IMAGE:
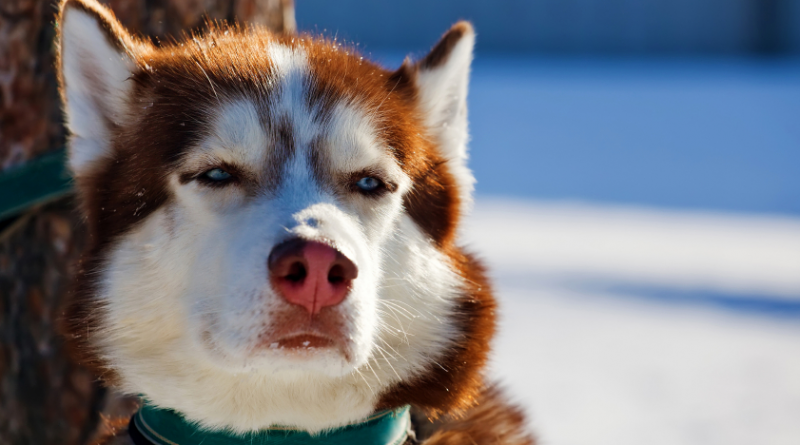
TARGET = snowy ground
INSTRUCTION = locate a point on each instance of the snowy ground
(590, 345)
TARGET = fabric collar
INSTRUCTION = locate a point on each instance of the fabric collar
(155, 426)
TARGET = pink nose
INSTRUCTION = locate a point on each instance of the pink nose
(310, 274)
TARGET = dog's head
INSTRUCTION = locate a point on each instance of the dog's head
(272, 223)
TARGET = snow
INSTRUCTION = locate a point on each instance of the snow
(599, 366)
(593, 370)
(735, 254)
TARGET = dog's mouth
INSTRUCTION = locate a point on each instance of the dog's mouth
(307, 345)
(293, 332)
(303, 341)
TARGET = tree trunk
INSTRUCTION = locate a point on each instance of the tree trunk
(45, 397)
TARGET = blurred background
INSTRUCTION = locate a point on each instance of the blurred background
(638, 202)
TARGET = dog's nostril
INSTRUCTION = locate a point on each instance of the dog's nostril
(297, 272)
(336, 274)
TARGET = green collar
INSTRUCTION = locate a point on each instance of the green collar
(151, 425)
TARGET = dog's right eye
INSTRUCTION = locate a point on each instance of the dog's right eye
(368, 184)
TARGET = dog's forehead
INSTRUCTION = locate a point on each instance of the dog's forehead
(295, 106)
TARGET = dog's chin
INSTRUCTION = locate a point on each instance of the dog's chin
(304, 353)
(307, 348)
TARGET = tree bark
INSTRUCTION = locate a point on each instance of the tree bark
(45, 397)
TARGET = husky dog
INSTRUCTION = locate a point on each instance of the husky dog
(273, 237)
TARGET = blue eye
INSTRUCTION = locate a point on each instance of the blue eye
(217, 175)
(368, 183)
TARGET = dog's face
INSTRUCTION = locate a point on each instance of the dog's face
(272, 224)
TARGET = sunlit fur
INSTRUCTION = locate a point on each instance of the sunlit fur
(174, 299)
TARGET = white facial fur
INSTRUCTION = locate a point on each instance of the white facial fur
(186, 294)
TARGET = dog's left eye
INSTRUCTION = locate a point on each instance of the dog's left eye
(217, 175)
(369, 184)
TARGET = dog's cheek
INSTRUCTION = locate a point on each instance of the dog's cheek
(140, 293)
(182, 239)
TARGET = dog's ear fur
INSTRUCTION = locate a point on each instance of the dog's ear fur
(441, 79)
(95, 61)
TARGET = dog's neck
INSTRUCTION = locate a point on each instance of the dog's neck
(155, 426)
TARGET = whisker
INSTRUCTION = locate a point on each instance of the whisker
(365, 381)
(393, 349)
(375, 373)
(380, 350)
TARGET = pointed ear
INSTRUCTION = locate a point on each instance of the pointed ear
(441, 79)
(94, 64)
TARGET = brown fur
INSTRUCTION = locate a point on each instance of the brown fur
(172, 86)
(491, 422)
(112, 431)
